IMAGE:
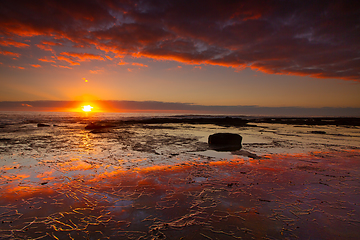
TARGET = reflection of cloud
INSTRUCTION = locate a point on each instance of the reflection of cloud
(47, 175)
(299, 38)
(76, 165)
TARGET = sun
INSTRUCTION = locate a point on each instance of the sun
(87, 108)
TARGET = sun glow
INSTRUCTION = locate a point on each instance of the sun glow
(87, 108)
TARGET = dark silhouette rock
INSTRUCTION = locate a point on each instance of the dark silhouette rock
(318, 132)
(100, 130)
(43, 125)
(225, 141)
(93, 126)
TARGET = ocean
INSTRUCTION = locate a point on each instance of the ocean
(153, 176)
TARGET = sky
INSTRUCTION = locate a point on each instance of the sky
(208, 55)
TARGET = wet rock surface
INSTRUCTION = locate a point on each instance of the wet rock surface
(161, 181)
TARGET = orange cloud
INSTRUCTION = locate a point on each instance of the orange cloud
(175, 68)
(46, 60)
(46, 45)
(139, 64)
(82, 56)
(17, 67)
(68, 60)
(122, 63)
(10, 42)
(96, 71)
(7, 53)
(26, 105)
(35, 65)
(60, 66)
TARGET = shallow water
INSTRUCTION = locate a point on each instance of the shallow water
(156, 181)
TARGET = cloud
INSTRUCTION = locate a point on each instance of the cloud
(47, 45)
(96, 71)
(18, 67)
(75, 58)
(7, 53)
(10, 42)
(306, 38)
(122, 63)
(139, 64)
(69, 60)
(26, 105)
(46, 60)
(36, 65)
(60, 66)
(82, 56)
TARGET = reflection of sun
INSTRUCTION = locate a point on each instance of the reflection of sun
(87, 108)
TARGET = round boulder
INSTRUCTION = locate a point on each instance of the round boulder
(225, 141)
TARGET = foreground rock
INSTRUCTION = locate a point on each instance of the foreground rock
(225, 141)
(93, 126)
(318, 132)
(43, 125)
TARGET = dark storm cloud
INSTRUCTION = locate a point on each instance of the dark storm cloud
(307, 38)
